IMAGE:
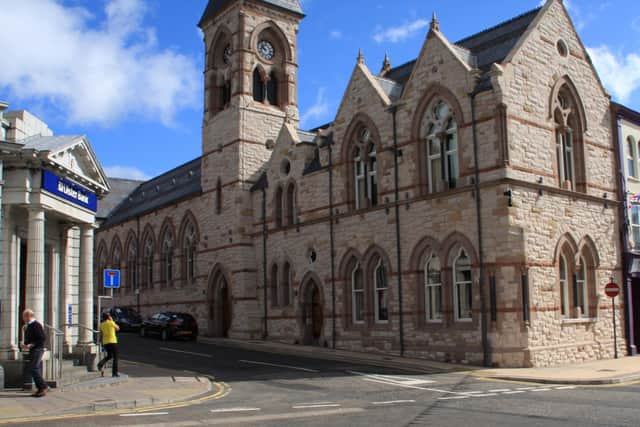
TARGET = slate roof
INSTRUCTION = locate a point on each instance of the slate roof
(391, 88)
(626, 112)
(481, 49)
(120, 189)
(306, 137)
(168, 188)
(48, 143)
(215, 6)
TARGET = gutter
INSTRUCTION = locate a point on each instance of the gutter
(265, 233)
(396, 179)
(486, 355)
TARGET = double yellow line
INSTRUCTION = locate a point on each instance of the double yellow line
(223, 390)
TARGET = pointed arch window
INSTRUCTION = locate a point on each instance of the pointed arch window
(148, 263)
(581, 289)
(275, 288)
(381, 303)
(116, 259)
(357, 294)
(365, 167)
(286, 284)
(258, 86)
(569, 127)
(564, 286)
(291, 204)
(433, 289)
(462, 287)
(441, 140)
(190, 251)
(167, 258)
(278, 200)
(272, 89)
(132, 267)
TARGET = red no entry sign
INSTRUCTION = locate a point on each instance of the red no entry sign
(612, 290)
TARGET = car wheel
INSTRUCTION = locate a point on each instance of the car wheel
(164, 336)
(142, 332)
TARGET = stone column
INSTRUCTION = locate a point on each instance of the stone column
(67, 298)
(86, 285)
(54, 288)
(35, 262)
(9, 323)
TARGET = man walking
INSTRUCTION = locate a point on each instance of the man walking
(34, 340)
(108, 329)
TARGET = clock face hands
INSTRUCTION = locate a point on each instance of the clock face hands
(266, 49)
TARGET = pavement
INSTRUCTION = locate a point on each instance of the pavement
(152, 387)
(612, 371)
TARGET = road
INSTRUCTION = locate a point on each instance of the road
(274, 390)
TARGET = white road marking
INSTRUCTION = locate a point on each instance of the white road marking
(454, 397)
(227, 410)
(484, 395)
(145, 414)
(173, 350)
(500, 390)
(324, 405)
(436, 390)
(393, 402)
(566, 387)
(395, 379)
(472, 392)
(514, 392)
(526, 388)
(295, 368)
(540, 389)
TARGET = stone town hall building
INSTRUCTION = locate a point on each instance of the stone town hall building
(460, 207)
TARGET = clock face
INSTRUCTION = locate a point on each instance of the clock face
(266, 50)
(226, 55)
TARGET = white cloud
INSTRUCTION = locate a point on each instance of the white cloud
(94, 72)
(125, 172)
(619, 73)
(335, 34)
(400, 33)
(318, 111)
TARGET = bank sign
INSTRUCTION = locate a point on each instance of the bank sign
(69, 191)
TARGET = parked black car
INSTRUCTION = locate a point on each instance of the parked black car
(169, 325)
(127, 318)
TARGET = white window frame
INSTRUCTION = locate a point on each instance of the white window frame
(434, 187)
(439, 125)
(564, 286)
(582, 280)
(431, 289)
(190, 254)
(380, 288)
(360, 169)
(167, 256)
(451, 155)
(632, 160)
(372, 175)
(457, 291)
(354, 294)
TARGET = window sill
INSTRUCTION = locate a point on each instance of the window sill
(582, 321)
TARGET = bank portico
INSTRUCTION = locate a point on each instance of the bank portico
(49, 199)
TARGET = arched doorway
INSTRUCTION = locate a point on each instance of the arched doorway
(312, 313)
(220, 306)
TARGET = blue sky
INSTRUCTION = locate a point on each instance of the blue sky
(128, 72)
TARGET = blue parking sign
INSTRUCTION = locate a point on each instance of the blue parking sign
(112, 279)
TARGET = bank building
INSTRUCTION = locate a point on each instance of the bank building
(462, 207)
(49, 190)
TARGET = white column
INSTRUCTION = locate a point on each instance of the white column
(86, 284)
(35, 262)
(8, 291)
(67, 297)
(54, 287)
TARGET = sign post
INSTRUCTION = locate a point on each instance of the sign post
(612, 290)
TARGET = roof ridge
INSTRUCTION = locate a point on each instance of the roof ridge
(157, 177)
(501, 24)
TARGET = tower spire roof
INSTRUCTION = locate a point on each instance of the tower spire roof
(215, 6)
(435, 24)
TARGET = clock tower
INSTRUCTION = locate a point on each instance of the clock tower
(250, 93)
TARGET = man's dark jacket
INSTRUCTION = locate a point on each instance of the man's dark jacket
(34, 335)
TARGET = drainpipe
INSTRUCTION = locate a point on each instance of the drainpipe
(483, 304)
(332, 244)
(396, 183)
(627, 254)
(265, 231)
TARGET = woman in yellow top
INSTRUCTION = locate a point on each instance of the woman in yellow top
(108, 329)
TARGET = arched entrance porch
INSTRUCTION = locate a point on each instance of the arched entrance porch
(311, 311)
(220, 304)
